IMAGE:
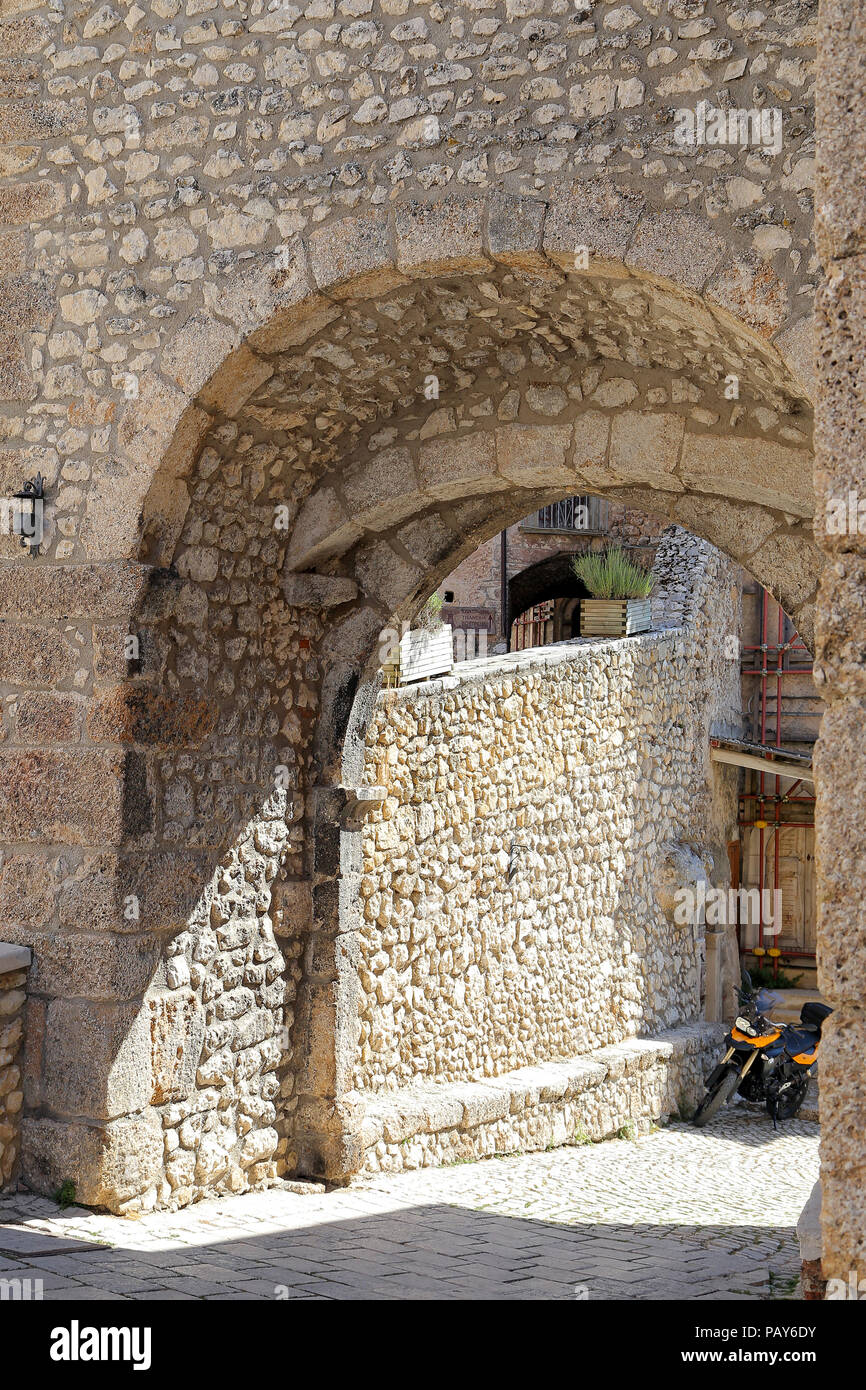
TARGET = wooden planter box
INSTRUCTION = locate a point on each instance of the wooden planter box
(614, 617)
(421, 656)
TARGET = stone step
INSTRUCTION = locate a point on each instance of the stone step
(788, 1003)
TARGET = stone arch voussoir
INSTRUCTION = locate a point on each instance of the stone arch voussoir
(220, 356)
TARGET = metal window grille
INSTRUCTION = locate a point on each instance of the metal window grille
(573, 516)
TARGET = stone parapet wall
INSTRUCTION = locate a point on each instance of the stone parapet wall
(14, 962)
(541, 809)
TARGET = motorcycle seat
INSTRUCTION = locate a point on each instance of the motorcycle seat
(813, 1014)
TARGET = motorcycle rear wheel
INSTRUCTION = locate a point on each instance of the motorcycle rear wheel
(788, 1104)
(715, 1099)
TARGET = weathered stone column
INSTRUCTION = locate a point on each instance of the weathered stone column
(14, 964)
(840, 473)
(326, 1127)
(328, 1117)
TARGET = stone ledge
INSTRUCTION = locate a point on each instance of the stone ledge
(533, 660)
(318, 591)
(809, 1232)
(638, 1080)
(14, 958)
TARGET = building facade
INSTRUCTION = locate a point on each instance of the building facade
(301, 305)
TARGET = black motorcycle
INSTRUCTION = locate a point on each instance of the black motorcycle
(764, 1061)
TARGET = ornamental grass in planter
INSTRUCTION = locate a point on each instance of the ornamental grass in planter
(620, 603)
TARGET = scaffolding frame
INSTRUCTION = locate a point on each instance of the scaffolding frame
(757, 663)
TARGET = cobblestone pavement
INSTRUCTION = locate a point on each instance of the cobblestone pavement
(679, 1213)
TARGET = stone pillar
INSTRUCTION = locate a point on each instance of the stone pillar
(81, 883)
(14, 964)
(329, 1114)
(840, 472)
(812, 1281)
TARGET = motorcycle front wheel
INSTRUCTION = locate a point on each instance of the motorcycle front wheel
(716, 1098)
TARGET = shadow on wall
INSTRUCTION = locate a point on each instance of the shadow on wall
(159, 1048)
(553, 577)
(211, 1043)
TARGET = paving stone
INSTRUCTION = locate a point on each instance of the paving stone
(653, 1219)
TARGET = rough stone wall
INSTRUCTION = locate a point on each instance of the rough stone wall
(159, 1000)
(236, 796)
(512, 878)
(840, 667)
(153, 150)
(13, 979)
(211, 312)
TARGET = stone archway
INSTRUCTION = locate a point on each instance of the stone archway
(548, 578)
(311, 491)
(670, 266)
(615, 116)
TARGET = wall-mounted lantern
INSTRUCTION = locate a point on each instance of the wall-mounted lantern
(27, 516)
